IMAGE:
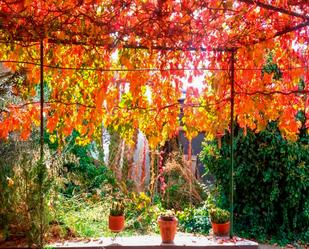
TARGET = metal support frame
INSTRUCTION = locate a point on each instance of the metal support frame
(41, 101)
(232, 80)
(41, 163)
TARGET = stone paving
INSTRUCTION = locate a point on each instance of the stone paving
(154, 241)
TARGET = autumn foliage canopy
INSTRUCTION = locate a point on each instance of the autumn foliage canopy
(125, 63)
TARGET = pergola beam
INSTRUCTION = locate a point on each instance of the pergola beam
(163, 48)
(275, 8)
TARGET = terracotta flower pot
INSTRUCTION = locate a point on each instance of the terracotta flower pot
(221, 229)
(116, 223)
(168, 229)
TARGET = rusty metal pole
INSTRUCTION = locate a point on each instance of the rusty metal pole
(232, 79)
(41, 102)
(41, 164)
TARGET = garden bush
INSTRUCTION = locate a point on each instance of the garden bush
(87, 173)
(23, 213)
(271, 183)
(194, 220)
(141, 214)
(182, 188)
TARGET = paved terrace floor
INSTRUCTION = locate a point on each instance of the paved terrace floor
(154, 242)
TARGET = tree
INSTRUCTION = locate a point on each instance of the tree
(123, 64)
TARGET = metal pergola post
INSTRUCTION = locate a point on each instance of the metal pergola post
(41, 164)
(232, 80)
(41, 101)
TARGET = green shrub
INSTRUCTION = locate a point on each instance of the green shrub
(141, 214)
(23, 211)
(182, 187)
(271, 183)
(194, 220)
(85, 174)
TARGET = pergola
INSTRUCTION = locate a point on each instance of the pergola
(158, 43)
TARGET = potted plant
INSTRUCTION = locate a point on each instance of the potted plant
(220, 221)
(116, 217)
(168, 226)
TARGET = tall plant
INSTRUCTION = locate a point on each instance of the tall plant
(272, 182)
(23, 178)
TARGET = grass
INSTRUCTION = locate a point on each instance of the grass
(83, 217)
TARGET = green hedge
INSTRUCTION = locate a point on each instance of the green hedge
(271, 183)
(194, 220)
